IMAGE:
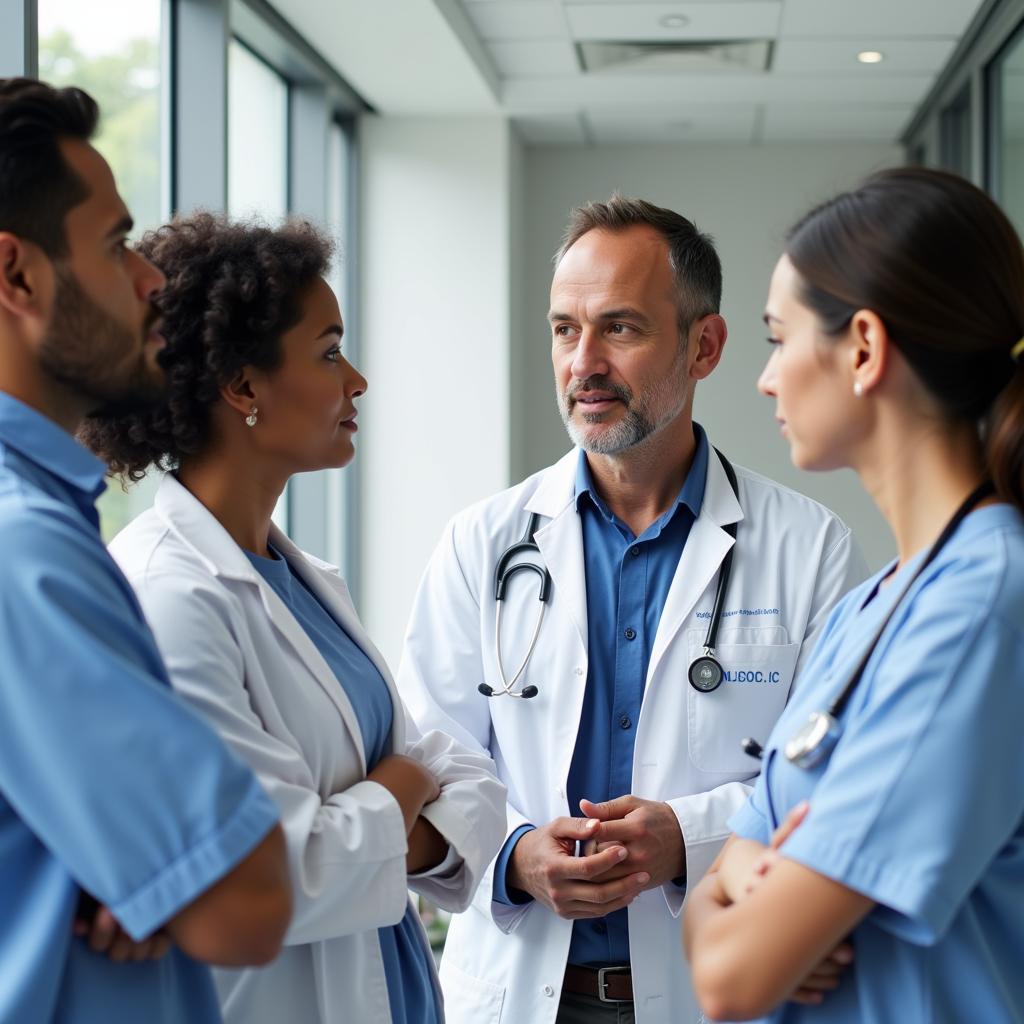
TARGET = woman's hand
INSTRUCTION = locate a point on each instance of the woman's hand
(409, 782)
(427, 848)
(105, 935)
(825, 976)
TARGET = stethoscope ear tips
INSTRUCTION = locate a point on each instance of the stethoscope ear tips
(486, 690)
(529, 691)
(752, 748)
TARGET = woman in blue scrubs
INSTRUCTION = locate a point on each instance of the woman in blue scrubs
(896, 318)
(263, 639)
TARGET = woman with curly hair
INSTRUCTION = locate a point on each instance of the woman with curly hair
(263, 640)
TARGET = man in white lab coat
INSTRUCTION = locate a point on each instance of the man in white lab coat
(622, 758)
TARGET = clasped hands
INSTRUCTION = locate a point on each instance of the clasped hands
(743, 868)
(629, 845)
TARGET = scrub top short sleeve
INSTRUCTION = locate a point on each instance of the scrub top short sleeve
(931, 754)
(93, 742)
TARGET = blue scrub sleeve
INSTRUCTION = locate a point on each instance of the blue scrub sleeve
(750, 821)
(502, 894)
(134, 795)
(926, 786)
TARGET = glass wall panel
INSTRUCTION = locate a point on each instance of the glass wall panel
(1008, 74)
(257, 152)
(257, 137)
(112, 50)
(956, 134)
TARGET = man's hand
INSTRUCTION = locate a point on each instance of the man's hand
(543, 864)
(105, 935)
(649, 830)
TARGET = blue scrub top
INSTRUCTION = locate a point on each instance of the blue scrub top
(410, 980)
(921, 805)
(108, 783)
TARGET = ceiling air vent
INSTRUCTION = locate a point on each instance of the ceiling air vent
(708, 57)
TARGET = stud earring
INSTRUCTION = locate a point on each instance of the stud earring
(858, 388)
(250, 420)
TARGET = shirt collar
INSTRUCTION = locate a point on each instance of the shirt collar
(691, 494)
(40, 440)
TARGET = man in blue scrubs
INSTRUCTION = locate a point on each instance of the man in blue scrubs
(111, 792)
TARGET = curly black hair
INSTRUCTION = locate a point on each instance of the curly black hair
(233, 288)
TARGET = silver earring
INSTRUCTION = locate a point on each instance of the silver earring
(858, 388)
(250, 420)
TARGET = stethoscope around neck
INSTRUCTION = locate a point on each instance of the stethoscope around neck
(705, 673)
(815, 740)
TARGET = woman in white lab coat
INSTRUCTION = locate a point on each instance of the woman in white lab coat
(263, 640)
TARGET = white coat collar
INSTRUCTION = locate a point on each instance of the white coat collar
(197, 528)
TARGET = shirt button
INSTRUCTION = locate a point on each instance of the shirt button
(548, 990)
(579, 670)
(635, 550)
(629, 633)
(601, 928)
(624, 722)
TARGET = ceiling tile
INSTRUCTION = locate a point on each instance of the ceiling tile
(832, 56)
(881, 17)
(551, 131)
(850, 121)
(528, 19)
(724, 19)
(727, 122)
(534, 57)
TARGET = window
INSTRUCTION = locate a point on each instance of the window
(112, 50)
(956, 134)
(257, 154)
(1007, 81)
(257, 137)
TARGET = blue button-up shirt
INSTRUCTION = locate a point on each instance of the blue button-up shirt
(628, 579)
(108, 784)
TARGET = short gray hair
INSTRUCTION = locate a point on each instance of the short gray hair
(691, 254)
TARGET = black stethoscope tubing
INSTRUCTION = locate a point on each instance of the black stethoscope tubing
(817, 738)
(706, 670)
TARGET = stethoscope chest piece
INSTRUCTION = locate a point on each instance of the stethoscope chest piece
(706, 673)
(814, 741)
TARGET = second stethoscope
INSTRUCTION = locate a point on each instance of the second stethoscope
(820, 733)
(705, 673)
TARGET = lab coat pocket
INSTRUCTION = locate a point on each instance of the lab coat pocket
(468, 998)
(758, 678)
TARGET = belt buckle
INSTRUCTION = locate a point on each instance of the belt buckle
(602, 983)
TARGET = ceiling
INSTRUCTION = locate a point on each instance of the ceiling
(523, 58)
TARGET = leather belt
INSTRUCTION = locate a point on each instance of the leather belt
(609, 984)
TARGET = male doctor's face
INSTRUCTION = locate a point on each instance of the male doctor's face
(621, 368)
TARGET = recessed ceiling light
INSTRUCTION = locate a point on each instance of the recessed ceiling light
(870, 57)
(673, 21)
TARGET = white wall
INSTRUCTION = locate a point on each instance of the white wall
(746, 197)
(436, 208)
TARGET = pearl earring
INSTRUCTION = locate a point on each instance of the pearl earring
(858, 388)
(250, 420)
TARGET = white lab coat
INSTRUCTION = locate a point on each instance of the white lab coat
(239, 656)
(794, 559)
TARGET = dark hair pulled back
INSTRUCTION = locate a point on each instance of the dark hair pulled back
(937, 260)
(232, 290)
